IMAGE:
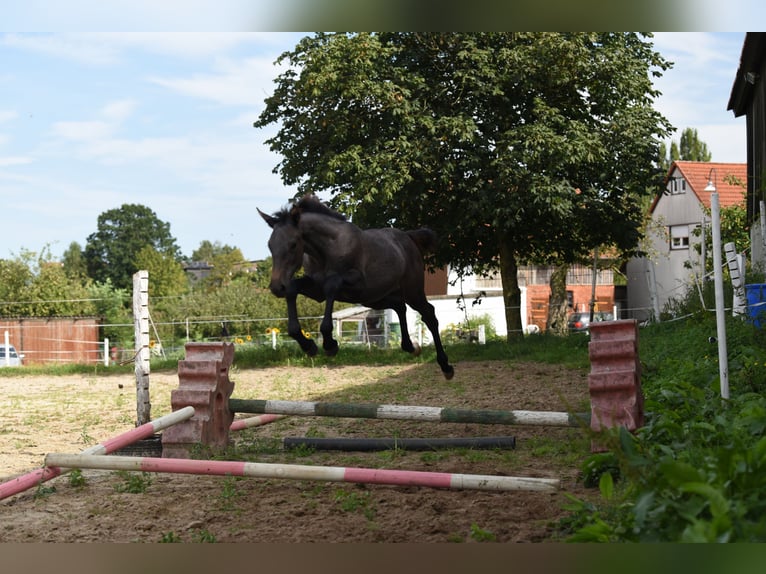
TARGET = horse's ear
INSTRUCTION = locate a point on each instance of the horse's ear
(269, 219)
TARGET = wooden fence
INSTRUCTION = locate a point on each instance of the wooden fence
(54, 340)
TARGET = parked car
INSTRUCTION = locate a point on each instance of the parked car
(13, 358)
(579, 322)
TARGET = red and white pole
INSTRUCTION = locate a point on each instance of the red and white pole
(26, 481)
(304, 472)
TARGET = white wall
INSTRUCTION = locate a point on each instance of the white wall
(448, 312)
(671, 271)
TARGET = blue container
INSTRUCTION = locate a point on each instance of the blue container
(756, 302)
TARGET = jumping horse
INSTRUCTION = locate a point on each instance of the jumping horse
(377, 268)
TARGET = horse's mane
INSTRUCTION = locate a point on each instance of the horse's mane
(307, 204)
(311, 204)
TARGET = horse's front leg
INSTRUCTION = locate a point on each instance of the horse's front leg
(329, 344)
(293, 324)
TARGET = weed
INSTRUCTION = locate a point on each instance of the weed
(133, 482)
(480, 535)
(170, 538)
(355, 502)
(85, 438)
(76, 478)
(229, 493)
(43, 491)
(203, 536)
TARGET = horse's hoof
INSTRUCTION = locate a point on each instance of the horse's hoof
(416, 350)
(331, 350)
(449, 374)
(310, 348)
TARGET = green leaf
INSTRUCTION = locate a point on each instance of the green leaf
(606, 486)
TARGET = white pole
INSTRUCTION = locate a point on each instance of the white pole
(723, 362)
(106, 351)
(273, 338)
(7, 351)
(739, 301)
(141, 332)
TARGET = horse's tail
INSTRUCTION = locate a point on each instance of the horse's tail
(424, 238)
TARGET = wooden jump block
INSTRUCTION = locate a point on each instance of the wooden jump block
(615, 377)
(204, 384)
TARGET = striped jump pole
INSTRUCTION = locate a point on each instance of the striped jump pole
(26, 481)
(304, 472)
(412, 413)
(250, 422)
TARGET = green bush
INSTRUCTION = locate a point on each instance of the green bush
(696, 472)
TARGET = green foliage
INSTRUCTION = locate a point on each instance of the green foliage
(356, 501)
(170, 538)
(33, 284)
(168, 277)
(110, 252)
(696, 472)
(203, 536)
(133, 482)
(226, 262)
(76, 478)
(691, 148)
(481, 535)
(512, 146)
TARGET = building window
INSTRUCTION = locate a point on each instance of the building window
(679, 237)
(677, 185)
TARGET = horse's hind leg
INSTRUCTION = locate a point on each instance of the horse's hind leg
(428, 314)
(407, 344)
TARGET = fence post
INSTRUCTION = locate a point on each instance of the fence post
(141, 332)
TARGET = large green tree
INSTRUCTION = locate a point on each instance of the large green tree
(689, 148)
(33, 284)
(226, 262)
(111, 252)
(514, 147)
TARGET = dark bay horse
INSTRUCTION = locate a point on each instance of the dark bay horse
(377, 268)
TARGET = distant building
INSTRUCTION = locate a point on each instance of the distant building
(672, 254)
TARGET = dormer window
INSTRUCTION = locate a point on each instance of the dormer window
(677, 185)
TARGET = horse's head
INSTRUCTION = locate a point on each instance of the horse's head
(286, 246)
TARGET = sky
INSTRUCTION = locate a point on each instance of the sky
(92, 121)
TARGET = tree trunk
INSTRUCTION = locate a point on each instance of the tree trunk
(509, 274)
(557, 307)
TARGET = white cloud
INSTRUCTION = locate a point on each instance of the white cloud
(113, 113)
(7, 115)
(234, 82)
(85, 49)
(9, 161)
(108, 48)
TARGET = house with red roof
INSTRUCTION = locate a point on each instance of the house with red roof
(678, 221)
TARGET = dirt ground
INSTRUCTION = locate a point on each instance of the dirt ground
(69, 413)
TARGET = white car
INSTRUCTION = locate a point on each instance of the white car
(9, 357)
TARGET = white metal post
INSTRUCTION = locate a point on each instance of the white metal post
(723, 361)
(106, 351)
